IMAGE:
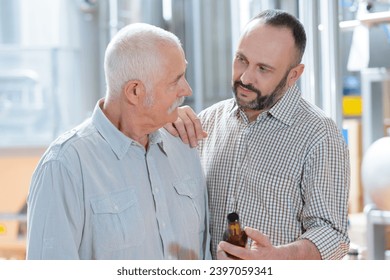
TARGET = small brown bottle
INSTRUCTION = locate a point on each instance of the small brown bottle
(234, 234)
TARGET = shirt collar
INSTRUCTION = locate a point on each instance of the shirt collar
(118, 142)
(284, 109)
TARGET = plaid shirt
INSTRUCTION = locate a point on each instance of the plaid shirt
(286, 173)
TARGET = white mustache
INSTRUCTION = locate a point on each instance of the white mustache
(177, 103)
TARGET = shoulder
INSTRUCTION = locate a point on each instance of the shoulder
(314, 117)
(66, 144)
(320, 127)
(224, 105)
(183, 159)
(178, 151)
(218, 110)
(172, 142)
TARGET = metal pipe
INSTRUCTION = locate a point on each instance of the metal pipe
(331, 71)
(310, 80)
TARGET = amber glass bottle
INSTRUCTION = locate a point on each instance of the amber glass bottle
(234, 234)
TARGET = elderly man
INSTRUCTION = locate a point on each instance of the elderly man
(272, 156)
(116, 186)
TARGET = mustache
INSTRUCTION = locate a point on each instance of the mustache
(248, 86)
(177, 103)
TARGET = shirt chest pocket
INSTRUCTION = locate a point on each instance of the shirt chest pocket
(192, 202)
(117, 221)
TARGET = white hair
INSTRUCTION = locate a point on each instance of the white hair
(134, 54)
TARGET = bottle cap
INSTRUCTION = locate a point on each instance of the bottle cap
(232, 217)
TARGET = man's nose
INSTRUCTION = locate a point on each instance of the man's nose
(187, 91)
(247, 77)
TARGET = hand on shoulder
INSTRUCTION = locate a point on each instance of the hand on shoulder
(187, 126)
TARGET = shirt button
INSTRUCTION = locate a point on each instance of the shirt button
(156, 190)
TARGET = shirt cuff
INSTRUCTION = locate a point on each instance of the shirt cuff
(331, 244)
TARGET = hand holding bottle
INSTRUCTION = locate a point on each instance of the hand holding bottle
(261, 248)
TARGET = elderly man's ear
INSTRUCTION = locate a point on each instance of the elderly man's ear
(134, 91)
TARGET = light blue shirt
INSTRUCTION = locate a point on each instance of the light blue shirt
(97, 194)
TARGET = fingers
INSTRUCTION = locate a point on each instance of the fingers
(260, 249)
(189, 122)
(199, 132)
(189, 126)
(258, 238)
(227, 251)
(181, 130)
(221, 255)
(171, 129)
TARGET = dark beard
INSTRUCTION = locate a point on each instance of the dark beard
(261, 102)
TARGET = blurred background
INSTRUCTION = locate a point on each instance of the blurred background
(51, 75)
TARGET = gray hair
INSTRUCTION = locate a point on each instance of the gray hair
(134, 54)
